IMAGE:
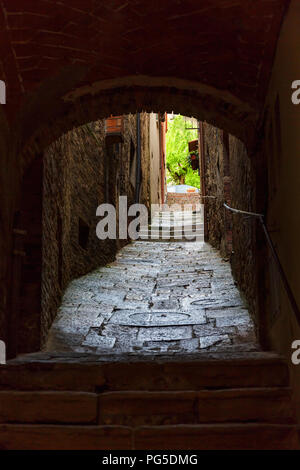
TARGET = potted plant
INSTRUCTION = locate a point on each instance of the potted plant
(193, 159)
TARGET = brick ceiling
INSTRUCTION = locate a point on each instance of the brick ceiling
(228, 44)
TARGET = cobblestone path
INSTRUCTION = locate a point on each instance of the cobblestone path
(156, 298)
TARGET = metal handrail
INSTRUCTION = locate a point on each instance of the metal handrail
(284, 279)
(238, 211)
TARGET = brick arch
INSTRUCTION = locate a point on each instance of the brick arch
(212, 60)
(225, 44)
(79, 60)
(131, 95)
(46, 116)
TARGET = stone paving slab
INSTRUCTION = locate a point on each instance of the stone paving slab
(165, 333)
(162, 298)
(153, 318)
(103, 342)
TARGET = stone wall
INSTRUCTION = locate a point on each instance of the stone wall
(229, 178)
(155, 159)
(179, 199)
(243, 228)
(74, 185)
(80, 173)
(216, 185)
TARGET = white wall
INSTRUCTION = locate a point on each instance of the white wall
(155, 164)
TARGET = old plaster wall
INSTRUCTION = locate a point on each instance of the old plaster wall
(155, 161)
(145, 189)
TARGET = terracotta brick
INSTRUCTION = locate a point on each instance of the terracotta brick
(51, 437)
(211, 437)
(256, 404)
(51, 377)
(136, 408)
(139, 408)
(208, 27)
(48, 407)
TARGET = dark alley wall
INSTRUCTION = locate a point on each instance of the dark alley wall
(81, 172)
(74, 185)
(218, 183)
(267, 181)
(9, 188)
(281, 152)
(214, 184)
(242, 183)
(229, 178)
(46, 97)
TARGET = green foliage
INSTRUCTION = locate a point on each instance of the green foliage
(179, 170)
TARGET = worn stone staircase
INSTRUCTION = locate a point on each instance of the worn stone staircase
(174, 226)
(80, 402)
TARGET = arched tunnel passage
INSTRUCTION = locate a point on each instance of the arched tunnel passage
(46, 101)
(157, 297)
(76, 63)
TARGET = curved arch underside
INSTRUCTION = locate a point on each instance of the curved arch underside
(74, 60)
(61, 115)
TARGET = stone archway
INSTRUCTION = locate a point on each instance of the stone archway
(57, 81)
(85, 106)
(39, 127)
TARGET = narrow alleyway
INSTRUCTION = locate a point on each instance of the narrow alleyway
(157, 298)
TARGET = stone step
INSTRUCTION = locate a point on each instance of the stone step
(177, 214)
(76, 401)
(248, 436)
(77, 372)
(187, 238)
(187, 223)
(64, 437)
(131, 408)
(178, 226)
(134, 408)
(48, 407)
(168, 229)
(198, 239)
(180, 216)
(170, 234)
(192, 238)
(233, 436)
(172, 231)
